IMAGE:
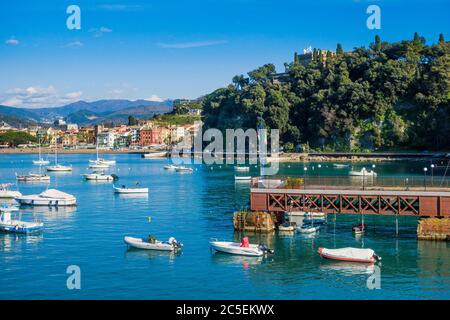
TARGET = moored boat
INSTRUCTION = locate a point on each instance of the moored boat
(252, 250)
(308, 229)
(242, 169)
(363, 173)
(6, 192)
(59, 168)
(183, 169)
(7, 224)
(170, 167)
(98, 165)
(340, 165)
(242, 178)
(98, 176)
(33, 177)
(287, 226)
(124, 189)
(306, 214)
(152, 244)
(157, 154)
(349, 254)
(359, 228)
(50, 197)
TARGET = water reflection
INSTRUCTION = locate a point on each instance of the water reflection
(11, 242)
(230, 259)
(151, 254)
(348, 268)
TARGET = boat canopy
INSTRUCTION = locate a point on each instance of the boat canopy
(356, 253)
(53, 193)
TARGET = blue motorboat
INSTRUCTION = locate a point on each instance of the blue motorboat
(7, 224)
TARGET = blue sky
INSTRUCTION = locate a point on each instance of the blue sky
(170, 49)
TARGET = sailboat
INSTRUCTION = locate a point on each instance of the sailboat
(58, 167)
(100, 163)
(40, 161)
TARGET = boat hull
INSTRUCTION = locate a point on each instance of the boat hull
(130, 190)
(350, 255)
(141, 244)
(22, 228)
(37, 201)
(236, 249)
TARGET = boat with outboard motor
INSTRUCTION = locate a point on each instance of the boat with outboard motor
(124, 189)
(99, 176)
(10, 225)
(152, 244)
(184, 169)
(50, 197)
(243, 249)
(349, 254)
(6, 192)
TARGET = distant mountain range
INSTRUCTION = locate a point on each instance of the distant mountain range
(86, 113)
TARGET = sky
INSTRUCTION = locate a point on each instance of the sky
(167, 49)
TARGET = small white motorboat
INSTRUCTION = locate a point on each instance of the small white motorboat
(33, 177)
(306, 214)
(98, 165)
(242, 178)
(151, 155)
(340, 165)
(170, 167)
(183, 169)
(287, 226)
(7, 224)
(308, 229)
(59, 168)
(126, 190)
(103, 161)
(363, 173)
(6, 192)
(349, 254)
(253, 250)
(41, 162)
(153, 244)
(50, 197)
(242, 169)
(98, 176)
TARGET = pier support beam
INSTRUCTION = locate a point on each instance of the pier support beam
(434, 229)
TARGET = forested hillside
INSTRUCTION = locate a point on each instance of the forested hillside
(388, 96)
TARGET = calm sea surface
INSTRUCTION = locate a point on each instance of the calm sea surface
(195, 208)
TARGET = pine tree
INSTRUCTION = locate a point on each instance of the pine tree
(296, 59)
(339, 50)
(441, 39)
(377, 43)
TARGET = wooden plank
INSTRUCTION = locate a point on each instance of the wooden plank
(428, 206)
(258, 201)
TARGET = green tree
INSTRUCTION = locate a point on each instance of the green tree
(132, 121)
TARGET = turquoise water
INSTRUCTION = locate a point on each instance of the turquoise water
(195, 208)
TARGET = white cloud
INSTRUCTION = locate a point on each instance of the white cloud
(74, 44)
(37, 97)
(98, 32)
(155, 98)
(12, 41)
(186, 45)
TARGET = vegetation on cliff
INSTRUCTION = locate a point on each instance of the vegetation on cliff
(387, 96)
